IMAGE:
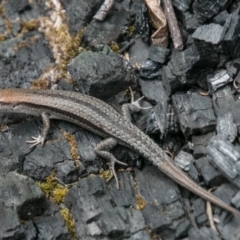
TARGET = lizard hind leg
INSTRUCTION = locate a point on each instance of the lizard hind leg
(102, 150)
(134, 106)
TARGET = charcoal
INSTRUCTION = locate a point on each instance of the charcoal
(52, 227)
(223, 101)
(66, 172)
(96, 208)
(194, 112)
(22, 65)
(203, 234)
(158, 54)
(80, 13)
(101, 74)
(182, 5)
(236, 200)
(225, 192)
(226, 127)
(203, 76)
(212, 177)
(236, 63)
(108, 31)
(2, 26)
(30, 230)
(138, 57)
(193, 172)
(26, 196)
(200, 142)
(225, 157)
(152, 191)
(151, 70)
(199, 207)
(190, 21)
(206, 9)
(229, 226)
(170, 81)
(162, 120)
(10, 227)
(220, 18)
(183, 160)
(141, 20)
(232, 69)
(210, 33)
(219, 79)
(184, 64)
(153, 90)
(231, 43)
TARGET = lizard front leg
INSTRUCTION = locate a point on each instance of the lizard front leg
(41, 138)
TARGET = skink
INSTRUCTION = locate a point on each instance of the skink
(100, 118)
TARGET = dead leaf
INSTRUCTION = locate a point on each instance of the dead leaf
(159, 21)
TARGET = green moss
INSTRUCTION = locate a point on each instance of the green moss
(53, 189)
(68, 217)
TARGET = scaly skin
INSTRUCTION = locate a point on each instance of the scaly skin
(100, 118)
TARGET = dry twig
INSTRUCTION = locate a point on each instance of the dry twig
(173, 24)
(104, 9)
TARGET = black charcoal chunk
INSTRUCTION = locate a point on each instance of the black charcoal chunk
(232, 69)
(200, 142)
(101, 74)
(194, 112)
(153, 90)
(10, 227)
(138, 57)
(231, 43)
(95, 211)
(225, 192)
(220, 78)
(140, 11)
(170, 81)
(105, 32)
(183, 160)
(193, 172)
(158, 54)
(182, 5)
(25, 63)
(162, 119)
(162, 190)
(236, 200)
(30, 230)
(203, 234)
(80, 13)
(226, 127)
(226, 157)
(66, 171)
(223, 100)
(151, 70)
(41, 162)
(51, 227)
(190, 21)
(220, 18)
(210, 33)
(23, 194)
(206, 9)
(203, 76)
(211, 176)
(2, 26)
(185, 65)
(199, 207)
